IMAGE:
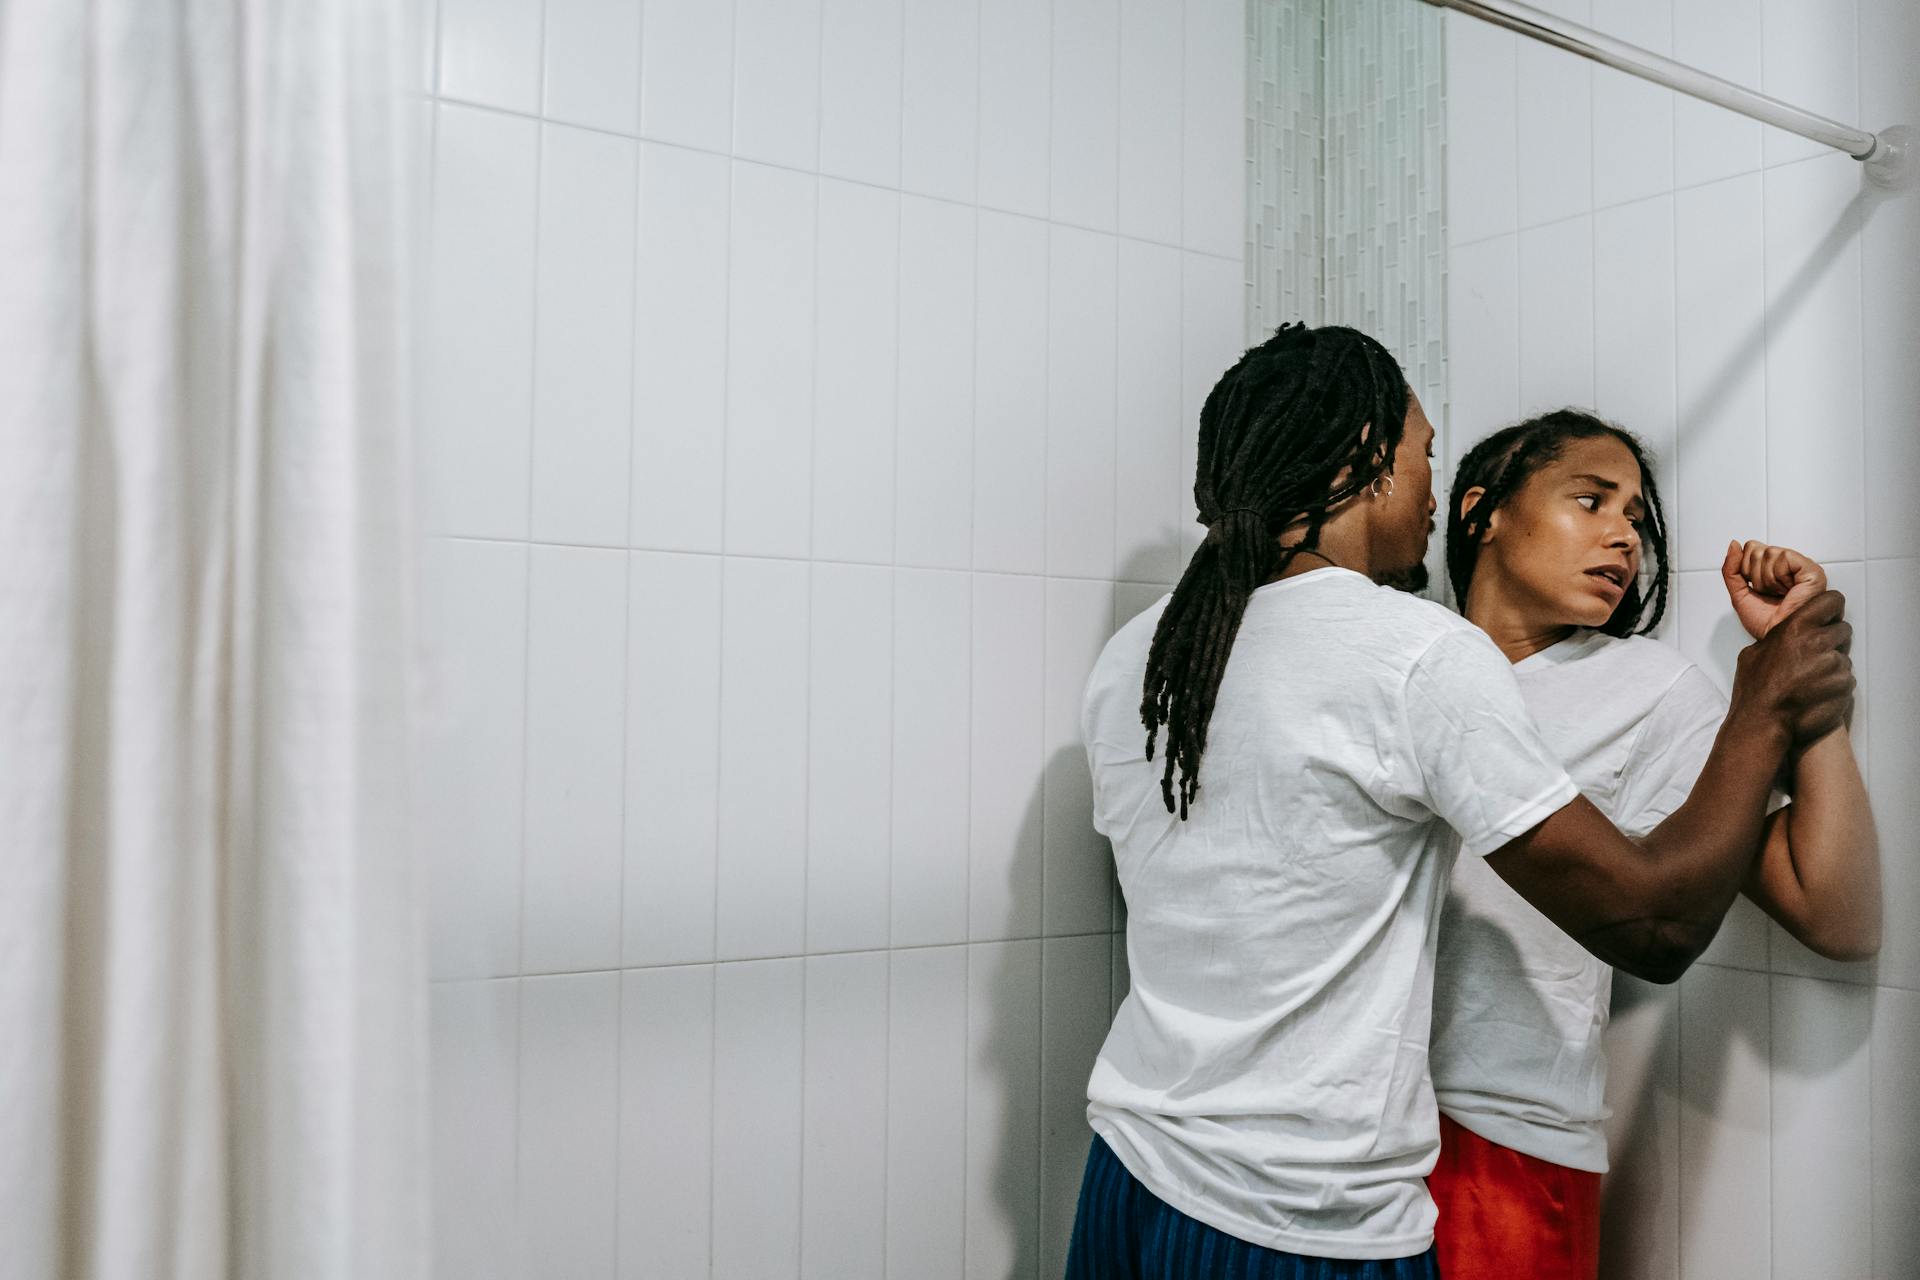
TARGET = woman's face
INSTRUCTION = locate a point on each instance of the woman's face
(1565, 549)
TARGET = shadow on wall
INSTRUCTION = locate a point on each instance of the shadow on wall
(1781, 305)
(1047, 1006)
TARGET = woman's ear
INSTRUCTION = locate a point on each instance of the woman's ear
(1471, 499)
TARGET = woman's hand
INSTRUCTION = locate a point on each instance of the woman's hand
(1766, 584)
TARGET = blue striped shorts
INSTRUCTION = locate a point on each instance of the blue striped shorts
(1122, 1231)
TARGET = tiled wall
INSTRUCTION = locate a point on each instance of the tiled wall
(804, 394)
(1749, 306)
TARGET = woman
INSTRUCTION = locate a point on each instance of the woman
(1325, 744)
(1556, 547)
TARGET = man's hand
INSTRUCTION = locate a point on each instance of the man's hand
(1766, 584)
(1798, 677)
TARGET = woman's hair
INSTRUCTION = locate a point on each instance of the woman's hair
(1276, 433)
(1504, 462)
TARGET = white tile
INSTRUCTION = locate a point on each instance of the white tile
(673, 756)
(1003, 1111)
(1213, 115)
(850, 741)
(934, 433)
(939, 97)
(770, 314)
(583, 338)
(686, 73)
(1212, 338)
(680, 350)
(473, 1048)
(1632, 119)
(1724, 1124)
(1722, 38)
(1152, 82)
(1555, 128)
(1076, 988)
(763, 754)
(1016, 78)
(927, 1113)
(1130, 599)
(1081, 323)
(1893, 621)
(844, 1164)
(1556, 315)
(932, 656)
(1822, 1122)
(490, 52)
(666, 1117)
(593, 63)
(576, 659)
(1483, 341)
(1009, 637)
(1010, 379)
(424, 32)
(1077, 858)
(474, 619)
(1709, 634)
(1719, 259)
(1816, 481)
(1148, 489)
(1634, 331)
(853, 373)
(1810, 56)
(776, 82)
(1640, 1200)
(757, 1058)
(1890, 273)
(860, 53)
(1889, 91)
(479, 326)
(1483, 149)
(1896, 1133)
(569, 1121)
(1086, 88)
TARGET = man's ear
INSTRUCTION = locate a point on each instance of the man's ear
(1471, 499)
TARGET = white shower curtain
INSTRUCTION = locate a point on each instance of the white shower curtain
(211, 1037)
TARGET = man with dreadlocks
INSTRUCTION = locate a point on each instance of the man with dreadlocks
(1262, 1106)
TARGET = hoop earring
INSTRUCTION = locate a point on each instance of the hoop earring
(1375, 487)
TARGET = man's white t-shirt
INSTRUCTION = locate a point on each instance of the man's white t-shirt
(1267, 1072)
(1519, 1007)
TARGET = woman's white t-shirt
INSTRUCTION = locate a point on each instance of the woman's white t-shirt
(1267, 1072)
(1519, 1007)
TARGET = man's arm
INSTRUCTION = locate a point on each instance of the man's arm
(1651, 907)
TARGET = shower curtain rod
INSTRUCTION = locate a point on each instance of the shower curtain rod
(1887, 155)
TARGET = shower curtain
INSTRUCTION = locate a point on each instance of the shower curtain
(211, 994)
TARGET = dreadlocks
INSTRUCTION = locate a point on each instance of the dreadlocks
(1276, 433)
(1504, 462)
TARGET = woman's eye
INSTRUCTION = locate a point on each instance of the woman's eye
(1587, 498)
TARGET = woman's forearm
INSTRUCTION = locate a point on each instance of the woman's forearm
(1819, 875)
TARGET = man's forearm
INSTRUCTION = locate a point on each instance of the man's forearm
(1698, 859)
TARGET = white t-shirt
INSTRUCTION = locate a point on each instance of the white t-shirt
(1267, 1073)
(1519, 1007)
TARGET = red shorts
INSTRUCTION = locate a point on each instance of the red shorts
(1504, 1215)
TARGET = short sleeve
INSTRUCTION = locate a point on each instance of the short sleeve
(1669, 751)
(1484, 768)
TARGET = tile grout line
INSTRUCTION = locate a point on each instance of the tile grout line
(726, 374)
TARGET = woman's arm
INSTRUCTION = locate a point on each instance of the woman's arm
(1819, 868)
